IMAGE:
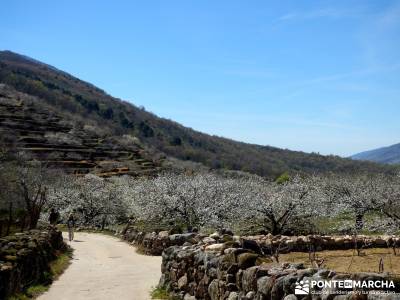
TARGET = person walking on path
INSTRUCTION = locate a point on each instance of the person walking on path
(71, 225)
(53, 217)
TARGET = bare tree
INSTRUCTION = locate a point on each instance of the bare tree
(32, 180)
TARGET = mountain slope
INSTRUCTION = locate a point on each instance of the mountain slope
(26, 125)
(386, 155)
(89, 105)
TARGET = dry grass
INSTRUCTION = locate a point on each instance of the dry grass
(347, 262)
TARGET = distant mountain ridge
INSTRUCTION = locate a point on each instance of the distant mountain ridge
(85, 104)
(385, 155)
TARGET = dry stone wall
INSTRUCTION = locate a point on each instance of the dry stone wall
(154, 243)
(25, 258)
(192, 272)
(222, 266)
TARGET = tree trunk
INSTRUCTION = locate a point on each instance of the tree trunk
(103, 223)
(10, 219)
(34, 217)
(275, 228)
(359, 222)
(23, 221)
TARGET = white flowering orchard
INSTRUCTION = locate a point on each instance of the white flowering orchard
(208, 200)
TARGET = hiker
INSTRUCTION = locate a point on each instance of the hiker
(71, 225)
(53, 217)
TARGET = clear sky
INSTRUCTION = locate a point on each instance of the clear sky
(320, 76)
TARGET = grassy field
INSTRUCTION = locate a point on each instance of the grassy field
(347, 261)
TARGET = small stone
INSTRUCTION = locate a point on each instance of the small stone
(10, 258)
(246, 260)
(208, 240)
(163, 234)
(215, 236)
(250, 295)
(233, 296)
(290, 297)
(189, 297)
(214, 247)
(182, 282)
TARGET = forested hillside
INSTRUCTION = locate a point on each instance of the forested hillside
(385, 155)
(30, 127)
(91, 106)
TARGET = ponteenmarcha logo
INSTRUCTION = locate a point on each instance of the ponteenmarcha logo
(307, 287)
(302, 288)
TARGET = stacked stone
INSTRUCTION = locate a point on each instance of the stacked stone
(324, 242)
(218, 267)
(25, 258)
(155, 243)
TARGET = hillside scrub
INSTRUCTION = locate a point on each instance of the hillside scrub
(82, 103)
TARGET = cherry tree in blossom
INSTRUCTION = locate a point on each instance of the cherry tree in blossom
(93, 200)
(276, 207)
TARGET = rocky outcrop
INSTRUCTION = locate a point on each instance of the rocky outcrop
(25, 258)
(233, 273)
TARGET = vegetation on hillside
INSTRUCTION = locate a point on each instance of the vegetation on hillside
(385, 155)
(90, 106)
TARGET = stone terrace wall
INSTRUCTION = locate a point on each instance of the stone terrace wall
(25, 258)
(319, 243)
(190, 273)
(154, 244)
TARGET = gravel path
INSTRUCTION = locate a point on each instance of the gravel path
(106, 268)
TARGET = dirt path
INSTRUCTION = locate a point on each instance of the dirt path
(105, 268)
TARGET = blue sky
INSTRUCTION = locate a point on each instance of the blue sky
(320, 76)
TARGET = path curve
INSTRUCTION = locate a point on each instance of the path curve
(106, 268)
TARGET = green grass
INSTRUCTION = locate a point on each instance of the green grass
(159, 293)
(57, 267)
(32, 292)
(329, 225)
